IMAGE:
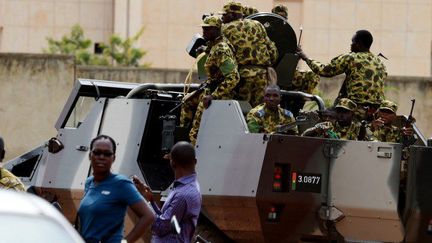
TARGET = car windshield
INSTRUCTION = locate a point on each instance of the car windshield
(24, 228)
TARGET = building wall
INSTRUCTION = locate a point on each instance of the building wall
(402, 29)
(25, 24)
(34, 89)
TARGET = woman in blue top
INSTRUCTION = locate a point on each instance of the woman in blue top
(106, 198)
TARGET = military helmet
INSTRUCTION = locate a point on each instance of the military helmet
(388, 105)
(232, 7)
(281, 10)
(247, 10)
(346, 104)
(212, 21)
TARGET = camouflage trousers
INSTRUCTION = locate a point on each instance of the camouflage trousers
(253, 80)
(188, 110)
(198, 114)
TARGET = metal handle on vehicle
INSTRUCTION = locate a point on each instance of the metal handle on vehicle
(82, 148)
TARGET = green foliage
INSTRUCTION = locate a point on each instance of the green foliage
(73, 44)
(121, 52)
(118, 52)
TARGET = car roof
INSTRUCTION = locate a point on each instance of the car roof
(26, 204)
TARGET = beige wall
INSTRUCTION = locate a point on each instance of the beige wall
(34, 89)
(402, 28)
(25, 24)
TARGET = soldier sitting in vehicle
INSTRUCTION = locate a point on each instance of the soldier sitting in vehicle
(343, 128)
(7, 179)
(382, 127)
(270, 117)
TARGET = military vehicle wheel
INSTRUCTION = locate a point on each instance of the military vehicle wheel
(209, 232)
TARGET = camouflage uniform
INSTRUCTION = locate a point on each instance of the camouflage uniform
(280, 10)
(390, 133)
(247, 10)
(305, 81)
(9, 181)
(188, 111)
(333, 129)
(262, 120)
(222, 73)
(254, 52)
(365, 75)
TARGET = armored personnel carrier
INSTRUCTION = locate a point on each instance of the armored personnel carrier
(255, 187)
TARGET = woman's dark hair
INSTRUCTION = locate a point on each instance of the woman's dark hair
(100, 137)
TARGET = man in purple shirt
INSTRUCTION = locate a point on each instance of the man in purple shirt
(184, 201)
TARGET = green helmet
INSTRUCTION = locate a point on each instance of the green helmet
(212, 21)
(346, 104)
(233, 7)
(388, 105)
(281, 10)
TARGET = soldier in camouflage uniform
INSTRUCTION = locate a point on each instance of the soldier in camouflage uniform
(304, 81)
(365, 72)
(7, 179)
(382, 128)
(221, 70)
(343, 128)
(270, 117)
(254, 51)
(248, 10)
(280, 10)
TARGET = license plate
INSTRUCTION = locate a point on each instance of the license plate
(306, 182)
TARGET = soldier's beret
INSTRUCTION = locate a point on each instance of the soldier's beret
(346, 104)
(388, 105)
(212, 21)
(232, 7)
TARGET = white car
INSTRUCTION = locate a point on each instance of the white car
(27, 218)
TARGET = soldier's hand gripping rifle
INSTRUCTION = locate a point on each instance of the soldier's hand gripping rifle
(190, 96)
(407, 140)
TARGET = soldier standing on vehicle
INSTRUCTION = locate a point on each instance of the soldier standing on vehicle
(221, 70)
(254, 51)
(7, 179)
(270, 117)
(343, 128)
(304, 81)
(365, 72)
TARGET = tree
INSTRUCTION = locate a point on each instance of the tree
(73, 44)
(121, 52)
(118, 52)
